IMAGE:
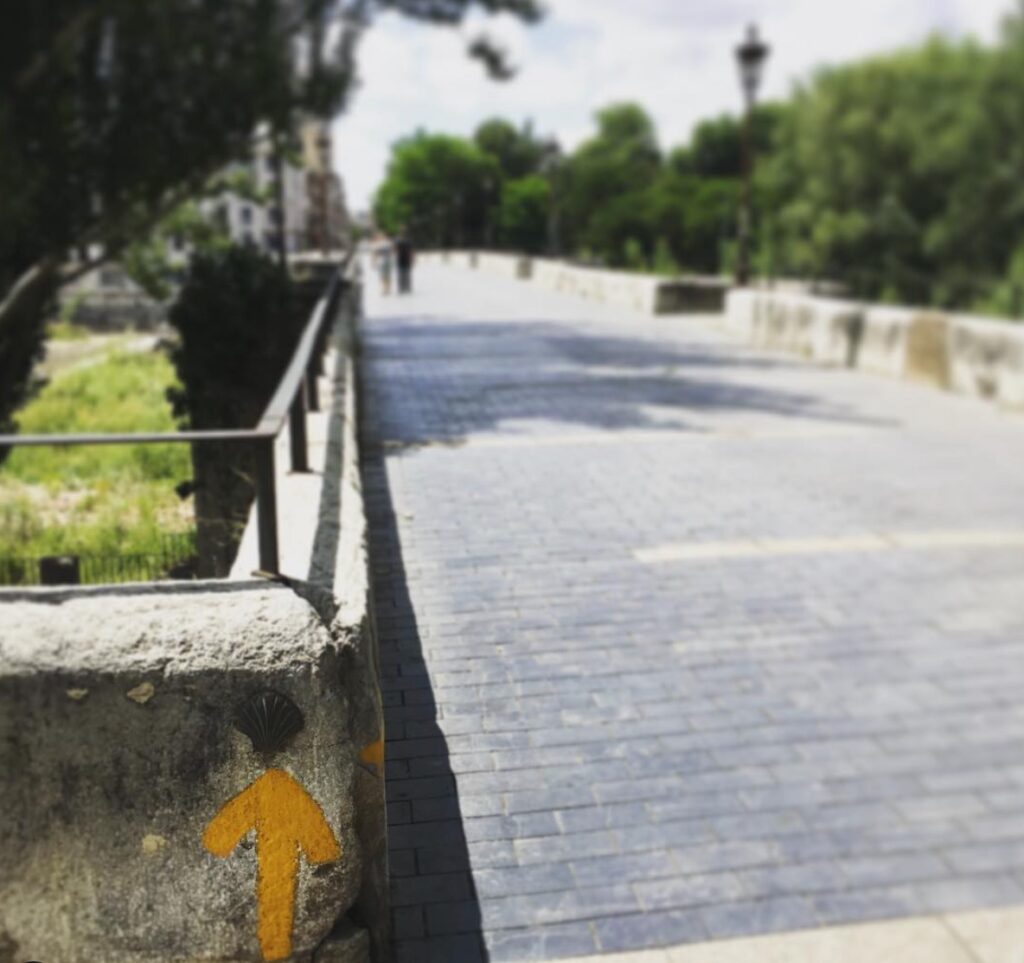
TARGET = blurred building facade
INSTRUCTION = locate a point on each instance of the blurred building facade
(309, 209)
(308, 206)
(327, 220)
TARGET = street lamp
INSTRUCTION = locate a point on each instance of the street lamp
(551, 167)
(751, 56)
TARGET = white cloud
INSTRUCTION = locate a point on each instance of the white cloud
(673, 56)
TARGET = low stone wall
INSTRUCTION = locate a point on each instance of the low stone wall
(107, 313)
(514, 266)
(195, 770)
(647, 294)
(638, 292)
(975, 356)
(987, 359)
(820, 329)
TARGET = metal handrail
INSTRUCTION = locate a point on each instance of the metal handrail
(296, 393)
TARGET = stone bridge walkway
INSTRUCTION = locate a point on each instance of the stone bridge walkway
(681, 641)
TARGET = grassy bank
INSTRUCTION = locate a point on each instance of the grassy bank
(96, 500)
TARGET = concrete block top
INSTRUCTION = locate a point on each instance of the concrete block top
(174, 630)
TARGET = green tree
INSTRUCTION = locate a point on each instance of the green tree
(693, 216)
(716, 147)
(606, 180)
(887, 176)
(439, 188)
(228, 372)
(525, 209)
(516, 151)
(984, 213)
(113, 112)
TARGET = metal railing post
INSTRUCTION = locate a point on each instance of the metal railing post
(312, 388)
(297, 431)
(320, 350)
(266, 506)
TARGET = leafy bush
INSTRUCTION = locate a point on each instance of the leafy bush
(239, 321)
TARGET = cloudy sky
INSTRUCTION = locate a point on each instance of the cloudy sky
(673, 56)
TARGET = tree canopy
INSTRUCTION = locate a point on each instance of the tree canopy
(900, 176)
(517, 152)
(888, 176)
(440, 189)
(113, 112)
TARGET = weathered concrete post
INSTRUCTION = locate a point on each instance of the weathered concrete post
(195, 771)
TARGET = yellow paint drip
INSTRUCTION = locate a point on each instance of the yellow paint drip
(373, 753)
(286, 820)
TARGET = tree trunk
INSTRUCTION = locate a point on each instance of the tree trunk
(22, 335)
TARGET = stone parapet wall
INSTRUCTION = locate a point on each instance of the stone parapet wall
(970, 355)
(647, 294)
(195, 770)
(508, 265)
(987, 359)
(634, 291)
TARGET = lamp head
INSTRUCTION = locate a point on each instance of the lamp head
(751, 56)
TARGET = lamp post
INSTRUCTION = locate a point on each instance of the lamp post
(490, 211)
(750, 55)
(551, 167)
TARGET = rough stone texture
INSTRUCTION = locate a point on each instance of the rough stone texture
(109, 786)
(646, 294)
(883, 342)
(927, 357)
(508, 265)
(973, 356)
(350, 945)
(118, 746)
(588, 751)
(987, 359)
(822, 329)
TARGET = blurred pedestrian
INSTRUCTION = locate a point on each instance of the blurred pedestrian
(404, 255)
(383, 254)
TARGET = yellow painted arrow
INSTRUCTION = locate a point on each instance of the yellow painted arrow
(286, 819)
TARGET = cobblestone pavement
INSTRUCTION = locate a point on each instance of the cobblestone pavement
(681, 641)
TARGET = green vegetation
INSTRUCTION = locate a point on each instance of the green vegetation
(66, 331)
(114, 114)
(97, 500)
(900, 176)
(890, 176)
(228, 372)
(523, 216)
(616, 199)
(440, 187)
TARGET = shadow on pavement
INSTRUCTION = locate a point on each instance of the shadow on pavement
(448, 380)
(432, 886)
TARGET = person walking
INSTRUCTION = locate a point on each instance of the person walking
(383, 256)
(404, 256)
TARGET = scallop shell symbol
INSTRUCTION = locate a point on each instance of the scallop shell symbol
(269, 719)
